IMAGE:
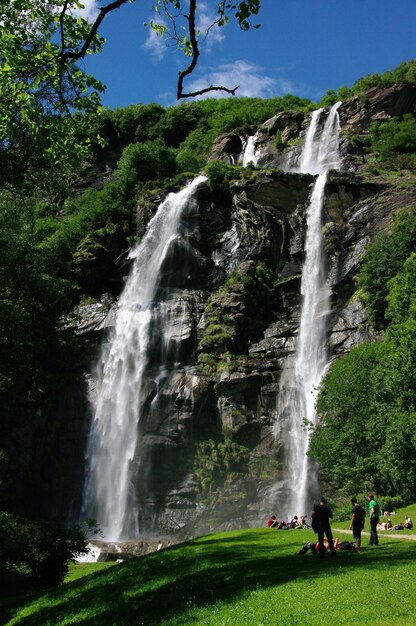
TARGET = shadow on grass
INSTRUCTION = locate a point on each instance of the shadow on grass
(161, 586)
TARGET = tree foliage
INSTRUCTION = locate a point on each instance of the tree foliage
(43, 549)
(348, 438)
(32, 296)
(393, 141)
(383, 259)
(366, 438)
(145, 161)
(41, 86)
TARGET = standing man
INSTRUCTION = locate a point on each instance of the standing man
(357, 522)
(374, 514)
(322, 513)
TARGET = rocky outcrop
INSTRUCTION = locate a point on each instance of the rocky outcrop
(227, 148)
(378, 103)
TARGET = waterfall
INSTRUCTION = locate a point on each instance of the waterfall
(138, 336)
(303, 373)
(250, 154)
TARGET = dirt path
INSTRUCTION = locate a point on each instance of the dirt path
(381, 533)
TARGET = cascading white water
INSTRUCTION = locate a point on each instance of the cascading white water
(300, 379)
(250, 153)
(109, 495)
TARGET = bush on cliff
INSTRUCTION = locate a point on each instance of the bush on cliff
(394, 141)
(383, 259)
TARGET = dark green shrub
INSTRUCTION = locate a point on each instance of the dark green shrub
(143, 162)
(219, 177)
(189, 161)
(44, 549)
(278, 140)
(329, 98)
(343, 513)
(391, 504)
(179, 121)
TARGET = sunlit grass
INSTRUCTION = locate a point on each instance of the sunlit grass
(248, 577)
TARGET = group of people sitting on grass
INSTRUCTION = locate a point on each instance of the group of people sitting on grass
(294, 523)
(399, 526)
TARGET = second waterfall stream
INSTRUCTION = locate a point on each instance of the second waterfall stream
(303, 372)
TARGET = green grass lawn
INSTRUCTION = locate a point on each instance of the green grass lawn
(251, 577)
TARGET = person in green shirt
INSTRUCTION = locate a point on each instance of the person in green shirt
(374, 515)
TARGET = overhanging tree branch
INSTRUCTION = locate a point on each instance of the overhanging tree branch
(80, 54)
(195, 56)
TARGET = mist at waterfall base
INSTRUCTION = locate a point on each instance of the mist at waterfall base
(297, 487)
(133, 359)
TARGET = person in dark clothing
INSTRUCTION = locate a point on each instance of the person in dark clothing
(357, 522)
(322, 514)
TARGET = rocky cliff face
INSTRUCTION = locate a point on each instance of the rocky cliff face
(235, 321)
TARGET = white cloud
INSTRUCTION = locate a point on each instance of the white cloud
(206, 18)
(155, 44)
(89, 12)
(253, 83)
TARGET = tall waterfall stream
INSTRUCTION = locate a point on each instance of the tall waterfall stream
(303, 373)
(109, 492)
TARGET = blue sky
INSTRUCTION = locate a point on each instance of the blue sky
(304, 47)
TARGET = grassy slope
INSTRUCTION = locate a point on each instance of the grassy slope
(248, 577)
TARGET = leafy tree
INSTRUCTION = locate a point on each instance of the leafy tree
(352, 407)
(219, 177)
(179, 121)
(32, 297)
(401, 298)
(398, 459)
(44, 549)
(367, 403)
(145, 161)
(403, 73)
(40, 84)
(383, 259)
(401, 313)
(147, 121)
(189, 161)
